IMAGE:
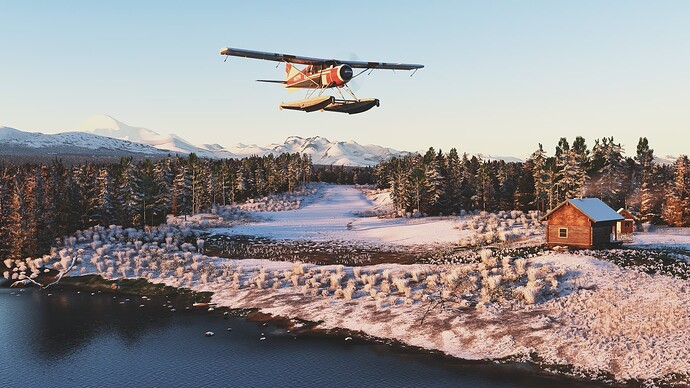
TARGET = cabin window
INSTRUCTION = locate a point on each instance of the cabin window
(563, 232)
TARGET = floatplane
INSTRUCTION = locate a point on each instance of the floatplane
(320, 75)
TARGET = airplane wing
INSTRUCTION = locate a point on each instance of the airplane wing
(268, 56)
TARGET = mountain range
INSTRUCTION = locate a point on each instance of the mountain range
(105, 136)
(16, 142)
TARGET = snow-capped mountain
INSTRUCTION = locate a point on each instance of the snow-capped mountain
(105, 125)
(507, 159)
(341, 153)
(321, 150)
(16, 142)
(104, 135)
(662, 160)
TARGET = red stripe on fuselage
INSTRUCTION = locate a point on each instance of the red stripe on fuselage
(308, 79)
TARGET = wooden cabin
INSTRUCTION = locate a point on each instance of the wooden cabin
(627, 225)
(582, 223)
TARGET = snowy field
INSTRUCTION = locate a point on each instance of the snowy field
(337, 214)
(597, 317)
(562, 309)
(671, 238)
(567, 309)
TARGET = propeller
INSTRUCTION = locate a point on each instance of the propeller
(350, 56)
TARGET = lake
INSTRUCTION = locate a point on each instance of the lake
(76, 339)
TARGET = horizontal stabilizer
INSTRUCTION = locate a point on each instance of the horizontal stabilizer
(273, 81)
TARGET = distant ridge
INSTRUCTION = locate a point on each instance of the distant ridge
(321, 150)
(105, 135)
(105, 125)
(16, 142)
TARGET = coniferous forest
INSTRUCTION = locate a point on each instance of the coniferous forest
(42, 201)
(446, 183)
(39, 202)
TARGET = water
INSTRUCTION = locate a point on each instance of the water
(75, 339)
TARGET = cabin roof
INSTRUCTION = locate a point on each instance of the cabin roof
(593, 208)
(626, 214)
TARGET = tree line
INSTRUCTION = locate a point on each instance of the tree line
(39, 202)
(438, 183)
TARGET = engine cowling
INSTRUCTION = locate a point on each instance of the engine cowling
(339, 75)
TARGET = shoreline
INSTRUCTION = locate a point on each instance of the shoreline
(582, 315)
(262, 305)
(298, 326)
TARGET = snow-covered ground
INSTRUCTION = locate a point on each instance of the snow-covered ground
(336, 215)
(673, 238)
(566, 308)
(332, 217)
(603, 319)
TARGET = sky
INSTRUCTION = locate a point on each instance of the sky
(500, 77)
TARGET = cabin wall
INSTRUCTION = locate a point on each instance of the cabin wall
(601, 233)
(578, 225)
(568, 215)
(627, 226)
(578, 236)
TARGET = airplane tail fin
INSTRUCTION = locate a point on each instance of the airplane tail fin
(290, 71)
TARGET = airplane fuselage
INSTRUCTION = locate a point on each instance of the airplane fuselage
(318, 77)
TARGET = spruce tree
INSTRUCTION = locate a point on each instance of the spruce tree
(130, 194)
(163, 177)
(16, 235)
(182, 191)
(676, 208)
(649, 203)
(537, 162)
(101, 204)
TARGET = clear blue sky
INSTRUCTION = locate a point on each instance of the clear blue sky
(500, 76)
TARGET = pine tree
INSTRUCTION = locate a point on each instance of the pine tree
(525, 190)
(580, 149)
(485, 198)
(130, 195)
(182, 190)
(16, 234)
(453, 185)
(306, 168)
(433, 182)
(239, 186)
(31, 210)
(537, 163)
(676, 208)
(6, 197)
(47, 227)
(649, 203)
(509, 174)
(163, 177)
(572, 176)
(610, 184)
(293, 172)
(102, 206)
(469, 184)
(84, 185)
(417, 184)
